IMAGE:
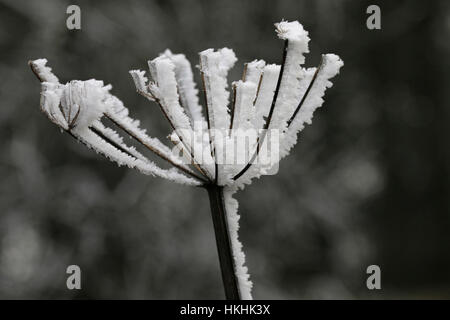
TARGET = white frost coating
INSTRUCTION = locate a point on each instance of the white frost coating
(119, 114)
(330, 68)
(75, 104)
(201, 148)
(292, 31)
(44, 73)
(50, 101)
(164, 89)
(140, 82)
(173, 113)
(244, 111)
(69, 106)
(199, 152)
(231, 206)
(214, 66)
(78, 105)
(253, 71)
(91, 98)
(245, 91)
(186, 86)
(253, 74)
(114, 137)
(265, 95)
(289, 92)
(95, 142)
(185, 155)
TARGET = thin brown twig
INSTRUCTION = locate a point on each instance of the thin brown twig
(259, 87)
(313, 80)
(269, 118)
(107, 140)
(233, 107)
(291, 119)
(211, 145)
(158, 101)
(221, 229)
(275, 96)
(191, 154)
(36, 73)
(74, 120)
(185, 108)
(120, 148)
(111, 142)
(156, 151)
(244, 72)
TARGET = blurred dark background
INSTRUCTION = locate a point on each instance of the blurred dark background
(368, 182)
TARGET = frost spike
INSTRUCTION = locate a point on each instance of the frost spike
(140, 82)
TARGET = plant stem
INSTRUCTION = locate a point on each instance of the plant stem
(223, 242)
(313, 80)
(269, 117)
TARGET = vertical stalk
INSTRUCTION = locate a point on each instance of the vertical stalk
(224, 249)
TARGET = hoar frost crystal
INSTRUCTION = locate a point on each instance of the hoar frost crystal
(269, 98)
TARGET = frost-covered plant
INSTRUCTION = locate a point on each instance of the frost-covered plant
(270, 101)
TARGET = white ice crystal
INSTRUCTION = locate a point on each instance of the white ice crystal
(140, 81)
(279, 98)
(231, 206)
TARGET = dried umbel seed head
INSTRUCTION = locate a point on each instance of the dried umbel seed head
(268, 98)
(269, 101)
(77, 104)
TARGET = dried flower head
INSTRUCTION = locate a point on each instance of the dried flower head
(220, 144)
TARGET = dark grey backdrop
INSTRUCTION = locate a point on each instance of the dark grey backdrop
(367, 184)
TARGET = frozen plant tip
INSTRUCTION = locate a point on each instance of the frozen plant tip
(221, 146)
